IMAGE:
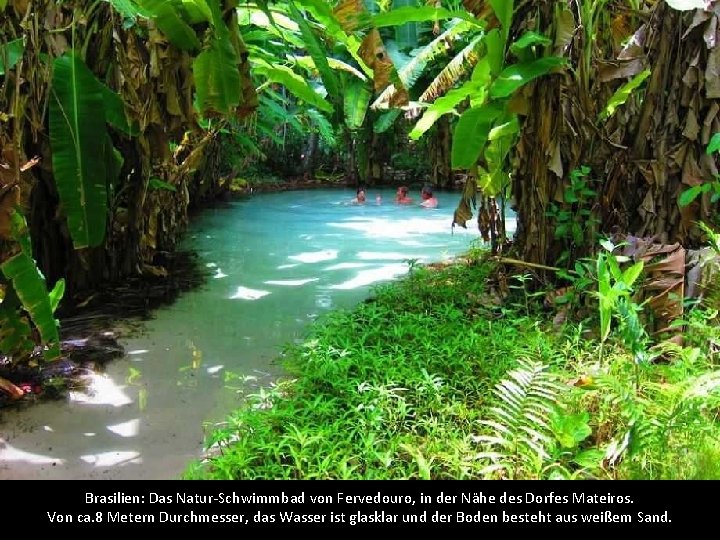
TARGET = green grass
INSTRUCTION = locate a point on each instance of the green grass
(404, 386)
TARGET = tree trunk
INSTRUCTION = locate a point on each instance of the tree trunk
(440, 146)
(157, 94)
(309, 153)
(643, 157)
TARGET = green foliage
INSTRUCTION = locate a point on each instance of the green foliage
(529, 39)
(692, 193)
(713, 145)
(575, 224)
(615, 287)
(623, 94)
(386, 120)
(156, 183)
(444, 105)
(27, 284)
(393, 390)
(407, 14)
(294, 83)
(217, 78)
(356, 99)
(520, 423)
(317, 52)
(473, 130)
(516, 76)
(78, 138)
(10, 54)
(168, 19)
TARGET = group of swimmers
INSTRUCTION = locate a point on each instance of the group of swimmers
(401, 197)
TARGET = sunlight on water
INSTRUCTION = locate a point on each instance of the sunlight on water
(276, 263)
(10, 453)
(317, 256)
(126, 429)
(245, 293)
(108, 459)
(367, 277)
(102, 390)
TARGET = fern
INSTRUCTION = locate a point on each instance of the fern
(323, 126)
(521, 438)
(661, 420)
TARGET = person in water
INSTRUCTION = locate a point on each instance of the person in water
(429, 201)
(360, 196)
(401, 197)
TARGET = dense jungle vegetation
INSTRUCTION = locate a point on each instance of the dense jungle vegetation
(584, 346)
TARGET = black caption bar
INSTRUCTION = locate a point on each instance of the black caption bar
(361, 504)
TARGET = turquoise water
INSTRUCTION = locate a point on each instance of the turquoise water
(277, 262)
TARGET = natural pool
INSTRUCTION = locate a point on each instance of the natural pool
(277, 262)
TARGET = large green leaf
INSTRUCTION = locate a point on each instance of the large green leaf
(495, 51)
(517, 75)
(56, 294)
(127, 8)
(528, 39)
(322, 12)
(318, 53)
(714, 144)
(294, 84)
(77, 140)
(11, 53)
(505, 129)
(623, 93)
(441, 106)
(217, 78)
(31, 288)
(3, 3)
(356, 100)
(386, 120)
(504, 11)
(471, 134)
(115, 111)
(408, 14)
(167, 17)
(197, 11)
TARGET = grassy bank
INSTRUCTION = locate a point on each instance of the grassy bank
(429, 379)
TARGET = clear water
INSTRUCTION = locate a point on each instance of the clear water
(278, 261)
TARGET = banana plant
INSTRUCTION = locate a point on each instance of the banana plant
(26, 295)
(488, 126)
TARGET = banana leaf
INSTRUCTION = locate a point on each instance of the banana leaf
(167, 17)
(77, 139)
(31, 288)
(357, 98)
(294, 84)
(517, 75)
(217, 78)
(471, 134)
(318, 53)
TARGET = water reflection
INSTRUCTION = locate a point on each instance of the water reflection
(279, 261)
